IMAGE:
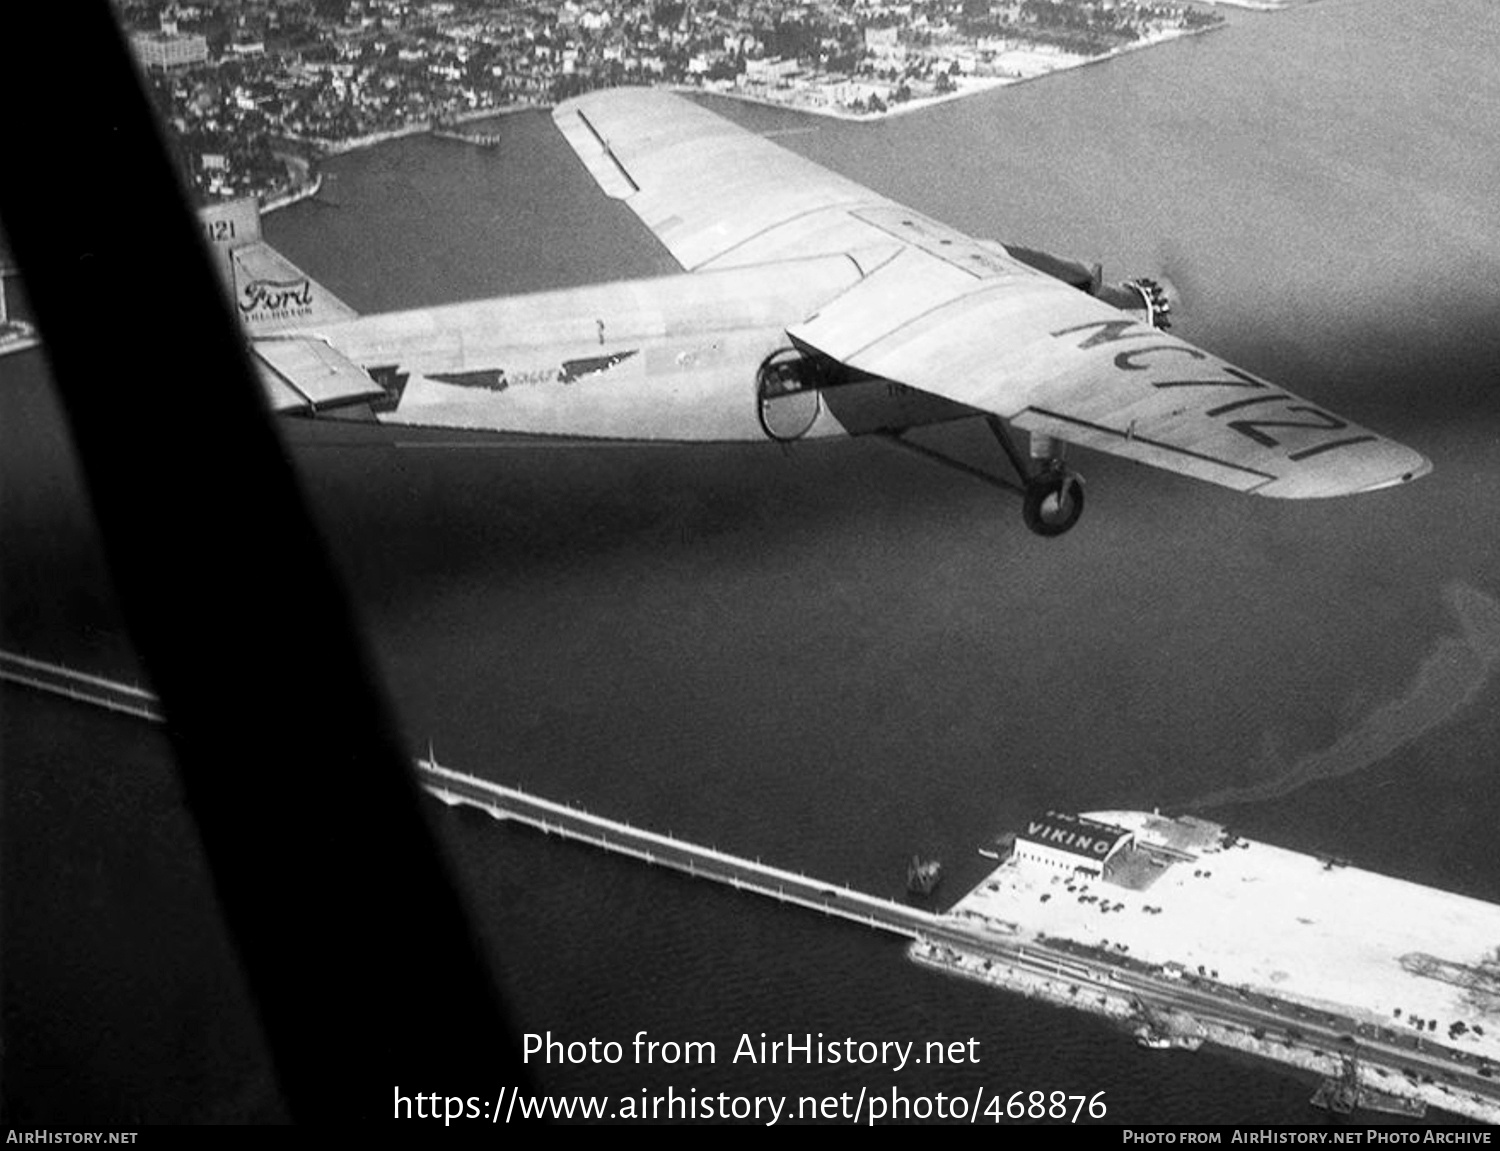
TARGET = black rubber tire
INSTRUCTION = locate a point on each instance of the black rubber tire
(1046, 511)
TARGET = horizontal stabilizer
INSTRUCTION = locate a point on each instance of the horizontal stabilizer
(304, 374)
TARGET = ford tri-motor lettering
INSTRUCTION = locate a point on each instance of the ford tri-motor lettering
(276, 296)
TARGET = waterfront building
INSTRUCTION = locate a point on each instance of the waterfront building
(165, 52)
(1070, 842)
(771, 72)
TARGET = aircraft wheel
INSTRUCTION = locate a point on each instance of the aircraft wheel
(1053, 503)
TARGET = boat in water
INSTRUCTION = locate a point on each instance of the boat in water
(923, 875)
(1167, 1040)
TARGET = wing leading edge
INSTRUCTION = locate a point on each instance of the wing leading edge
(960, 318)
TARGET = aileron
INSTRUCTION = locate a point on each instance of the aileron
(597, 156)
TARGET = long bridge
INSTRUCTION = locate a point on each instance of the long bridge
(509, 803)
(55, 679)
(457, 788)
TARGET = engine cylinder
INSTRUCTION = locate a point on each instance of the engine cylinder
(1151, 299)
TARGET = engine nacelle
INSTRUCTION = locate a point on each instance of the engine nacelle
(1076, 274)
(1154, 299)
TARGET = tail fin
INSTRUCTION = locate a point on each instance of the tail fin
(270, 293)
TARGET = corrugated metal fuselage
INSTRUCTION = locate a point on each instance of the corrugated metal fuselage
(669, 358)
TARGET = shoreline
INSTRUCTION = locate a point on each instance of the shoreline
(1190, 1031)
(327, 147)
(968, 86)
(305, 191)
(310, 182)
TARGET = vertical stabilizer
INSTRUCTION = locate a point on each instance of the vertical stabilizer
(270, 293)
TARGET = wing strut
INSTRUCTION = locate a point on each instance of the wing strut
(957, 465)
(1017, 461)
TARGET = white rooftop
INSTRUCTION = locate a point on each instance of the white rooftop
(1281, 923)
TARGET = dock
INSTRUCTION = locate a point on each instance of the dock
(482, 139)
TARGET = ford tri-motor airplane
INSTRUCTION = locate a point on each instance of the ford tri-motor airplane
(808, 306)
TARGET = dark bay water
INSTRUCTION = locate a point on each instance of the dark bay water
(834, 656)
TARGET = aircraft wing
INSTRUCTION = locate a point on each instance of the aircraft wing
(716, 195)
(1055, 361)
(943, 313)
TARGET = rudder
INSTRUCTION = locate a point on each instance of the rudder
(270, 293)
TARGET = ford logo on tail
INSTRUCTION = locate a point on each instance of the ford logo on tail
(276, 295)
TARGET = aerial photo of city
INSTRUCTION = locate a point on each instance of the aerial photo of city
(255, 89)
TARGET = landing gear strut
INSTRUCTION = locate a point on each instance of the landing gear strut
(1051, 495)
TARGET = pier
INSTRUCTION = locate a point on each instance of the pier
(457, 788)
(509, 803)
(69, 683)
(482, 139)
